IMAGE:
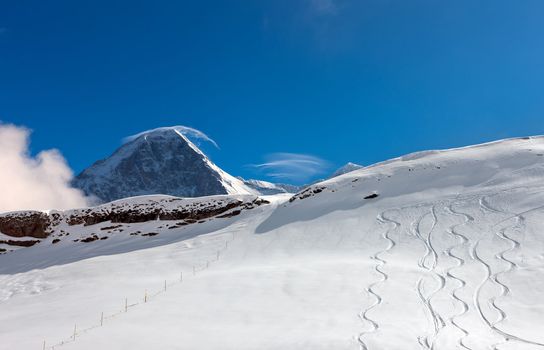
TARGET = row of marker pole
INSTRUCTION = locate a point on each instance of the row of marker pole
(73, 337)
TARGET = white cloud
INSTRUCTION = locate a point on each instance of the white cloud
(292, 166)
(26, 182)
(185, 130)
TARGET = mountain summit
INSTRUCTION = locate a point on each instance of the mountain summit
(347, 168)
(159, 161)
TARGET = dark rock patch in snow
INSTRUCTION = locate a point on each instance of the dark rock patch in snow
(25, 224)
(28, 243)
(309, 192)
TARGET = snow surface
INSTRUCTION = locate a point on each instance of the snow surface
(269, 188)
(448, 253)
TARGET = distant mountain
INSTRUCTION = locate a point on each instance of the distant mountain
(349, 167)
(160, 161)
(269, 188)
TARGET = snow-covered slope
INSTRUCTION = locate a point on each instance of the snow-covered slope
(130, 215)
(434, 250)
(160, 161)
(269, 188)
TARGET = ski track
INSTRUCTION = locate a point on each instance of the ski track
(493, 277)
(463, 240)
(427, 342)
(384, 277)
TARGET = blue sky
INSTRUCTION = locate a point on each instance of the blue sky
(341, 81)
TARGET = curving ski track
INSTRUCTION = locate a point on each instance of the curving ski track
(493, 277)
(427, 342)
(379, 269)
(463, 240)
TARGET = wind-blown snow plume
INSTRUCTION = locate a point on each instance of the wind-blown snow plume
(292, 166)
(26, 182)
(185, 130)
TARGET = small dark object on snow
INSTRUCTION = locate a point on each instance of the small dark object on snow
(231, 214)
(110, 227)
(20, 243)
(150, 234)
(55, 241)
(370, 196)
(90, 239)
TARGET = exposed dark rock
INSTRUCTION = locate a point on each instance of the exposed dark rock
(309, 192)
(28, 243)
(150, 234)
(373, 195)
(110, 227)
(231, 214)
(90, 239)
(40, 225)
(25, 224)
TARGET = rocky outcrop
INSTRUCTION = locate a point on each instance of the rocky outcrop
(25, 224)
(186, 211)
(309, 192)
(143, 212)
(22, 243)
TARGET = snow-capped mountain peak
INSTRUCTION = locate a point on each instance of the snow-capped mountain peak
(348, 167)
(159, 161)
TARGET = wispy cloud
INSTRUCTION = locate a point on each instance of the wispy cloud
(191, 133)
(292, 166)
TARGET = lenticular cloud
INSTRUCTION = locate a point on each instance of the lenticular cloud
(185, 130)
(293, 166)
(40, 182)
